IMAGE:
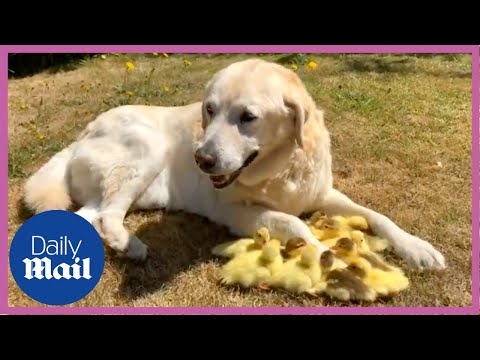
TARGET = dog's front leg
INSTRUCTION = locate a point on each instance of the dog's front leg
(417, 252)
(246, 220)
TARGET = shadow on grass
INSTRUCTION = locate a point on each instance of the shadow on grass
(175, 243)
(23, 65)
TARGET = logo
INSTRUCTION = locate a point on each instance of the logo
(57, 257)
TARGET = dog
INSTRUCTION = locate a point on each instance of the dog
(255, 152)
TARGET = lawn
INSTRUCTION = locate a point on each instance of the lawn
(401, 141)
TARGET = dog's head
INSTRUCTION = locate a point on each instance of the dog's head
(250, 109)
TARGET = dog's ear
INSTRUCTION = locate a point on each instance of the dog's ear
(297, 99)
(300, 109)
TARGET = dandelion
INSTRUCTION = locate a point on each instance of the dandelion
(130, 66)
(312, 65)
(23, 106)
(41, 137)
(166, 89)
(129, 93)
(187, 63)
(32, 126)
(294, 67)
(165, 55)
(103, 56)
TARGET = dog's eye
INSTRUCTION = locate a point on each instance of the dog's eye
(247, 117)
(209, 109)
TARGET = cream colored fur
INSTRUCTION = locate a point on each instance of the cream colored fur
(142, 157)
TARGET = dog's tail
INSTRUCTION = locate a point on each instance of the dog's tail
(47, 189)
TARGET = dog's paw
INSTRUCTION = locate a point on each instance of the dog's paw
(420, 254)
(137, 250)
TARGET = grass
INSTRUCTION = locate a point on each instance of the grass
(401, 139)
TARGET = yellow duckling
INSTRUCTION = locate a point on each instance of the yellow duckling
(293, 247)
(271, 256)
(346, 249)
(253, 267)
(319, 234)
(376, 243)
(351, 222)
(299, 274)
(231, 249)
(245, 269)
(262, 236)
(357, 223)
(382, 282)
(331, 228)
(364, 251)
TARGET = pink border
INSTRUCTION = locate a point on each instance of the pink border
(474, 50)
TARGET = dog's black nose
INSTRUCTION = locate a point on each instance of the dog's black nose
(205, 161)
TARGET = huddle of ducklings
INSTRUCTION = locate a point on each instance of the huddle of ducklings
(351, 270)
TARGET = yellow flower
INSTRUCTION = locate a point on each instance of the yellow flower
(294, 67)
(41, 137)
(165, 55)
(166, 89)
(187, 63)
(312, 65)
(23, 106)
(130, 66)
(129, 93)
(86, 87)
(103, 56)
(32, 126)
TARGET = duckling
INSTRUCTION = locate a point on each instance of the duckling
(329, 262)
(299, 274)
(364, 251)
(382, 282)
(376, 243)
(231, 249)
(330, 243)
(358, 238)
(319, 234)
(351, 222)
(331, 228)
(342, 284)
(271, 256)
(293, 247)
(245, 269)
(346, 249)
(255, 266)
(316, 216)
(358, 223)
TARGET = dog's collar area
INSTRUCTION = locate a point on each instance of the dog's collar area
(222, 181)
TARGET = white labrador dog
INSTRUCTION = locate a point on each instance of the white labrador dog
(255, 152)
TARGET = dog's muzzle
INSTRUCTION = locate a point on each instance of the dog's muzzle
(222, 181)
